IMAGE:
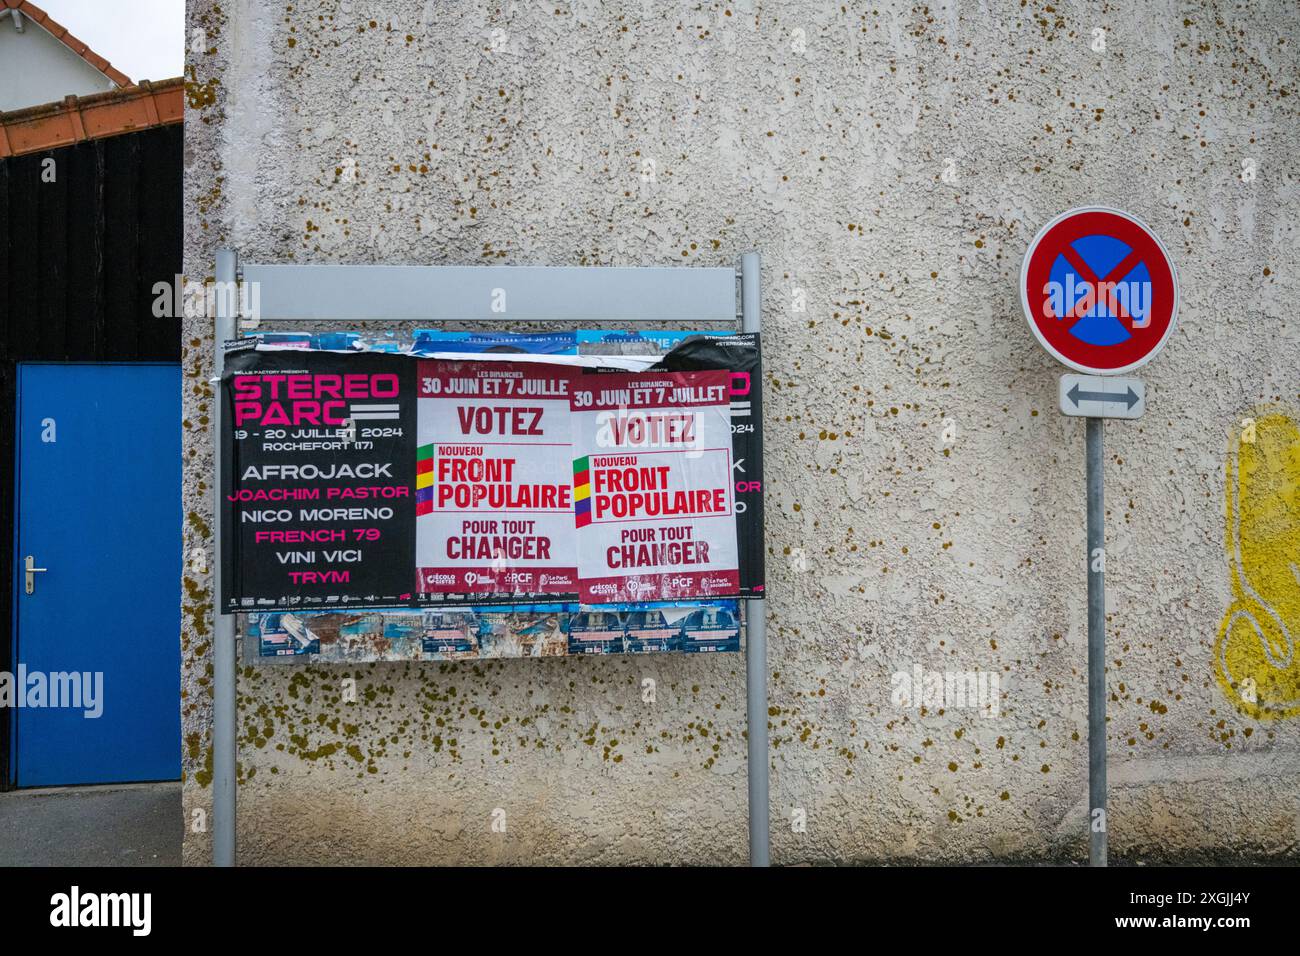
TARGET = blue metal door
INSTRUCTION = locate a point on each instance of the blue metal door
(97, 655)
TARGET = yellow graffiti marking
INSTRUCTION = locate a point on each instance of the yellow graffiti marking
(1255, 654)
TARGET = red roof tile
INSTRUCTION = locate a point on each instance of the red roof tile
(79, 118)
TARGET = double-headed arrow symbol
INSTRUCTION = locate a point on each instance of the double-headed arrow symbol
(1077, 395)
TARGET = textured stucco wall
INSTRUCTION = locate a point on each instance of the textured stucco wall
(891, 162)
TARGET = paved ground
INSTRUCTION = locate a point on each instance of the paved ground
(120, 825)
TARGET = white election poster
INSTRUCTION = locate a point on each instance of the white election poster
(652, 486)
(493, 498)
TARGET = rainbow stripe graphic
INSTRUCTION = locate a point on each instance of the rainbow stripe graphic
(423, 480)
(582, 491)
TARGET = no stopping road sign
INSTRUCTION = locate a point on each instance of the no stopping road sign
(1099, 291)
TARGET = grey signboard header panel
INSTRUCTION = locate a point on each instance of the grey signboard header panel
(494, 293)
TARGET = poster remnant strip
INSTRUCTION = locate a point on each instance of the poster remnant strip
(481, 632)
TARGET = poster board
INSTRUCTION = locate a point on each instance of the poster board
(574, 295)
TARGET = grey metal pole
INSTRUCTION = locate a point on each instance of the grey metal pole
(223, 645)
(1096, 646)
(756, 631)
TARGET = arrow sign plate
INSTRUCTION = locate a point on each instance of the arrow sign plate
(1102, 396)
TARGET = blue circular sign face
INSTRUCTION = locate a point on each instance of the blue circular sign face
(1080, 265)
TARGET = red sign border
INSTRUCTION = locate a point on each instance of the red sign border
(1166, 282)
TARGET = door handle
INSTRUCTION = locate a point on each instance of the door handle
(31, 570)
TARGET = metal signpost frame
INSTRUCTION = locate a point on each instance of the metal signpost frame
(578, 295)
(1096, 395)
(1095, 481)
